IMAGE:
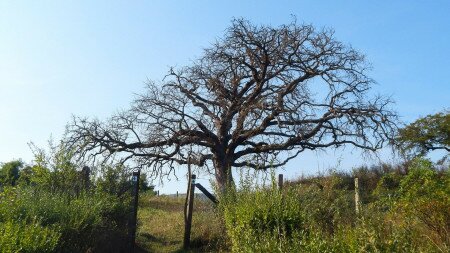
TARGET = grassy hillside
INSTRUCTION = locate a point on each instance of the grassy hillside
(404, 208)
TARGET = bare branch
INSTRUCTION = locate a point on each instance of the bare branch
(258, 94)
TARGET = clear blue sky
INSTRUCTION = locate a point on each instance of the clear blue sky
(88, 58)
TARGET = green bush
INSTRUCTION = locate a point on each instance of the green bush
(60, 207)
(259, 218)
(400, 213)
(17, 236)
(90, 221)
(9, 173)
(424, 198)
(328, 206)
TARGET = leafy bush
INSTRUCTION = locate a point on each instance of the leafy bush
(326, 204)
(57, 208)
(9, 173)
(17, 236)
(90, 221)
(400, 213)
(114, 180)
(260, 219)
(424, 197)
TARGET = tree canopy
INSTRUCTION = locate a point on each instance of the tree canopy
(257, 97)
(428, 133)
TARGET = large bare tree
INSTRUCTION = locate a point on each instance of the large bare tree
(256, 98)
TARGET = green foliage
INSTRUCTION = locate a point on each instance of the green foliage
(52, 199)
(144, 185)
(55, 171)
(36, 176)
(9, 173)
(424, 196)
(115, 180)
(17, 236)
(400, 213)
(425, 134)
(50, 206)
(327, 203)
(44, 208)
(260, 219)
(88, 221)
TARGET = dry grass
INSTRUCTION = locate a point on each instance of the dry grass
(161, 226)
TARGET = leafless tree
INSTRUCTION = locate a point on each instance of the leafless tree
(256, 98)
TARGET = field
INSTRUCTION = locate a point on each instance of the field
(234, 94)
(402, 208)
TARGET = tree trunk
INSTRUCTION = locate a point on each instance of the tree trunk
(224, 176)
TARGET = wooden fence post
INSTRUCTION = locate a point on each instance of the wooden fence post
(207, 193)
(280, 182)
(135, 192)
(188, 223)
(357, 201)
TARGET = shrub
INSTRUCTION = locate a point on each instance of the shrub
(17, 236)
(55, 201)
(90, 221)
(260, 219)
(328, 206)
(9, 173)
(424, 198)
(402, 213)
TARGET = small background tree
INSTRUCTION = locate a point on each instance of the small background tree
(426, 134)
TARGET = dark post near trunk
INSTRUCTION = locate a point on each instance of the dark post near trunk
(188, 223)
(135, 193)
(280, 182)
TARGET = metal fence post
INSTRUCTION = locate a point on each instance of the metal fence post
(135, 193)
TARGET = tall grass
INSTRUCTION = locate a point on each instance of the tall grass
(92, 221)
(18, 236)
(52, 207)
(401, 212)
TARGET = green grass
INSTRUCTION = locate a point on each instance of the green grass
(161, 226)
(401, 212)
